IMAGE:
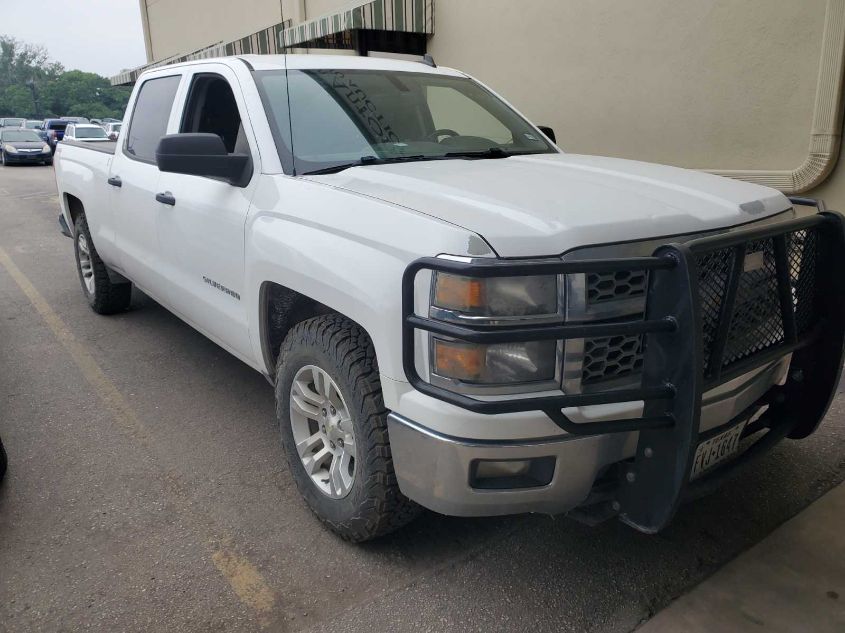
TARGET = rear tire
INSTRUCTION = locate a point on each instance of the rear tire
(103, 295)
(368, 504)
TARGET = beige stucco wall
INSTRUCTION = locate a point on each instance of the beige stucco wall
(315, 8)
(183, 26)
(718, 84)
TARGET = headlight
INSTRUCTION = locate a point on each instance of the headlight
(11, 149)
(45, 148)
(494, 297)
(496, 364)
(492, 301)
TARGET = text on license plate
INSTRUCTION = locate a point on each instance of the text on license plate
(716, 450)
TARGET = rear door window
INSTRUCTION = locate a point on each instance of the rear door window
(150, 116)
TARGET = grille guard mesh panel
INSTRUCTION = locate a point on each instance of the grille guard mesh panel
(756, 323)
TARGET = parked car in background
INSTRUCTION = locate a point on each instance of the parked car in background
(108, 119)
(11, 122)
(75, 119)
(53, 131)
(112, 130)
(86, 132)
(97, 122)
(33, 124)
(23, 146)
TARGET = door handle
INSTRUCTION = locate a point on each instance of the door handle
(115, 181)
(166, 198)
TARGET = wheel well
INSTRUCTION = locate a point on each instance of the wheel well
(281, 309)
(74, 207)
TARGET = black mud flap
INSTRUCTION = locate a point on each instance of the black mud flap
(63, 227)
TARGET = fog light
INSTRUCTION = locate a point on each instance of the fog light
(488, 474)
(489, 469)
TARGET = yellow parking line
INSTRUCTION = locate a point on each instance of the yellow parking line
(242, 576)
(96, 377)
(246, 580)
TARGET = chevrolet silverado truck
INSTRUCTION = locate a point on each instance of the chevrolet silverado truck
(454, 313)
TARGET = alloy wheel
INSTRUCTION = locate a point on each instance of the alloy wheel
(323, 432)
(85, 265)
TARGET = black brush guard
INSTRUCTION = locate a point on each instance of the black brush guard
(678, 365)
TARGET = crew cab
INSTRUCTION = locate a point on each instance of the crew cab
(455, 313)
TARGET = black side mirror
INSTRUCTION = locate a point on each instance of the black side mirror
(545, 129)
(200, 154)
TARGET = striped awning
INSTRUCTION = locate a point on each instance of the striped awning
(408, 16)
(262, 42)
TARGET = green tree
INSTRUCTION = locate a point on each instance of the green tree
(18, 100)
(32, 85)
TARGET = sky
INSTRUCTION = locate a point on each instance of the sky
(100, 36)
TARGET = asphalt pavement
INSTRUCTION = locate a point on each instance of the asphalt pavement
(147, 491)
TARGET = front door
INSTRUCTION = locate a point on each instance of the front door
(201, 235)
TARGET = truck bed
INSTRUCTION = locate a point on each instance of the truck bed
(107, 147)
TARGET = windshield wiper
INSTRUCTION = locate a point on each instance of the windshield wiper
(370, 160)
(493, 152)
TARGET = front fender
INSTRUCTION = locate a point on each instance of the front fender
(345, 251)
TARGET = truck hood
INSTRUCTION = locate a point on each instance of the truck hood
(528, 206)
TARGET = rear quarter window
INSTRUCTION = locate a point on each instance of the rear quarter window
(150, 116)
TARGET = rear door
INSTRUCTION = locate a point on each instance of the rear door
(202, 233)
(134, 183)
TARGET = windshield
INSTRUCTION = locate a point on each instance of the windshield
(343, 117)
(12, 122)
(20, 136)
(90, 132)
(32, 125)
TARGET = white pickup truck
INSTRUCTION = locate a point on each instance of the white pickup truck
(454, 313)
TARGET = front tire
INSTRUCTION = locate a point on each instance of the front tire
(328, 395)
(104, 296)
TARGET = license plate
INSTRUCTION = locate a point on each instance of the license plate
(716, 450)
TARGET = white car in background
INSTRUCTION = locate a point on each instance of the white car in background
(85, 132)
(112, 130)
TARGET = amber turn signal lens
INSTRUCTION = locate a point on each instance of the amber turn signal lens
(458, 293)
(459, 360)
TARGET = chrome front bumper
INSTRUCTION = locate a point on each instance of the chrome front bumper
(434, 469)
